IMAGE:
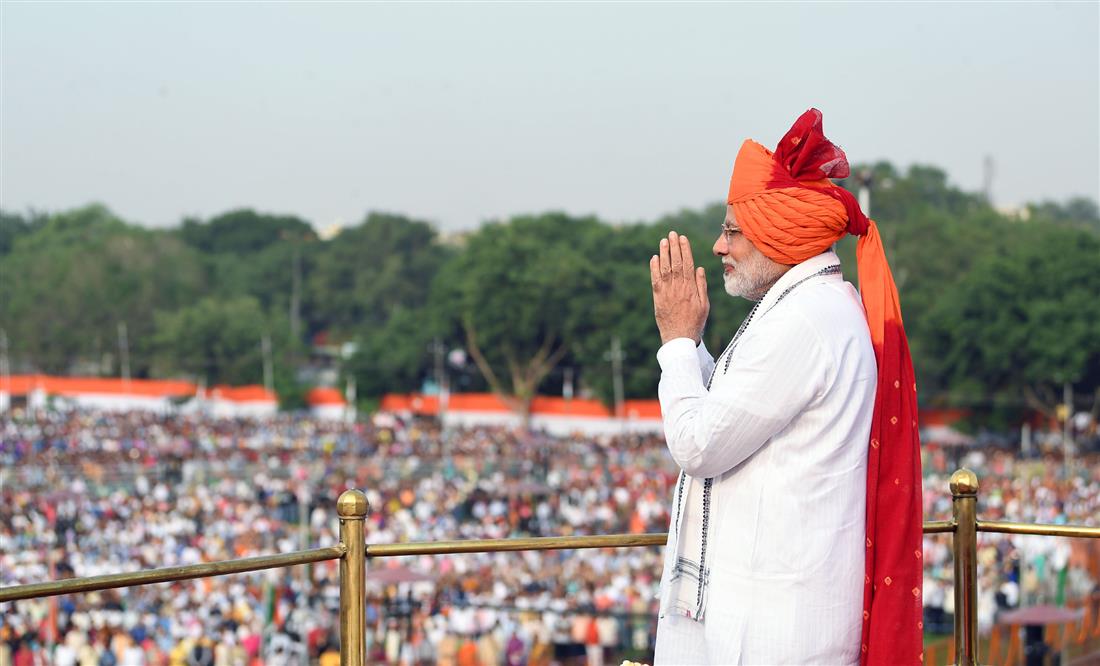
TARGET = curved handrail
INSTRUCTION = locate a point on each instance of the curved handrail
(169, 574)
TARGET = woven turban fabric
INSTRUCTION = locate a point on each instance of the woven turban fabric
(788, 208)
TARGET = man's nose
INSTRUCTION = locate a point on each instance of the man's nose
(720, 248)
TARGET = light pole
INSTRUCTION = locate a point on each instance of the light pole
(865, 178)
(617, 378)
(5, 373)
(438, 350)
(1067, 433)
(265, 347)
(124, 354)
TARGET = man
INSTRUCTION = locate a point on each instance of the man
(796, 523)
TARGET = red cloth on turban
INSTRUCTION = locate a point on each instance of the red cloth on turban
(786, 205)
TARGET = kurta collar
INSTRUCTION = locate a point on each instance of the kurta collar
(799, 272)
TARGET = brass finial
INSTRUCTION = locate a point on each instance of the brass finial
(352, 504)
(964, 482)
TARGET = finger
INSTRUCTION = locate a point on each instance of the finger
(701, 285)
(654, 271)
(685, 252)
(666, 262)
(674, 254)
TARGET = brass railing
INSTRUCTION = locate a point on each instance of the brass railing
(353, 552)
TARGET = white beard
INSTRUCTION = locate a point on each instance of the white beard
(749, 279)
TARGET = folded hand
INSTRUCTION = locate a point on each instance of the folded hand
(680, 302)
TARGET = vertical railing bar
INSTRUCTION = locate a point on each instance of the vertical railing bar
(964, 495)
(352, 507)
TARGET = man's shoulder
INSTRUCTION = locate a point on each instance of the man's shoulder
(831, 307)
(827, 316)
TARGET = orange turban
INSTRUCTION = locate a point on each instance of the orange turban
(788, 208)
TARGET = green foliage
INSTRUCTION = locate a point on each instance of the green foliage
(219, 340)
(66, 285)
(255, 254)
(933, 234)
(291, 392)
(623, 308)
(14, 225)
(1023, 321)
(522, 293)
(394, 357)
(999, 309)
(1077, 213)
(363, 274)
(242, 232)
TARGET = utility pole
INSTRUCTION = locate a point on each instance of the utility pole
(303, 533)
(201, 402)
(269, 379)
(295, 289)
(5, 373)
(350, 395)
(988, 171)
(1067, 443)
(617, 376)
(440, 378)
(124, 353)
(567, 384)
(865, 191)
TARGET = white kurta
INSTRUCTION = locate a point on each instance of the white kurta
(784, 433)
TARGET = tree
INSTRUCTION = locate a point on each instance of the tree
(394, 358)
(364, 273)
(260, 255)
(624, 310)
(219, 340)
(66, 286)
(1078, 212)
(521, 294)
(1024, 321)
(14, 225)
(242, 232)
(933, 234)
(534, 295)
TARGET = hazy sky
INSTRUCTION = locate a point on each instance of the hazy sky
(461, 112)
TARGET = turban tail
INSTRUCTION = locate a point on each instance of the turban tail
(786, 205)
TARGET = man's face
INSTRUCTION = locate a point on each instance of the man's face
(745, 270)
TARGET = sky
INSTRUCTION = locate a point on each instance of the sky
(458, 113)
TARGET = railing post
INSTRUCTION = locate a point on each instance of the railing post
(964, 494)
(352, 507)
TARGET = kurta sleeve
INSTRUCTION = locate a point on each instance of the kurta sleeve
(778, 368)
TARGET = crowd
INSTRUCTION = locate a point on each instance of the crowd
(84, 493)
(1015, 570)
